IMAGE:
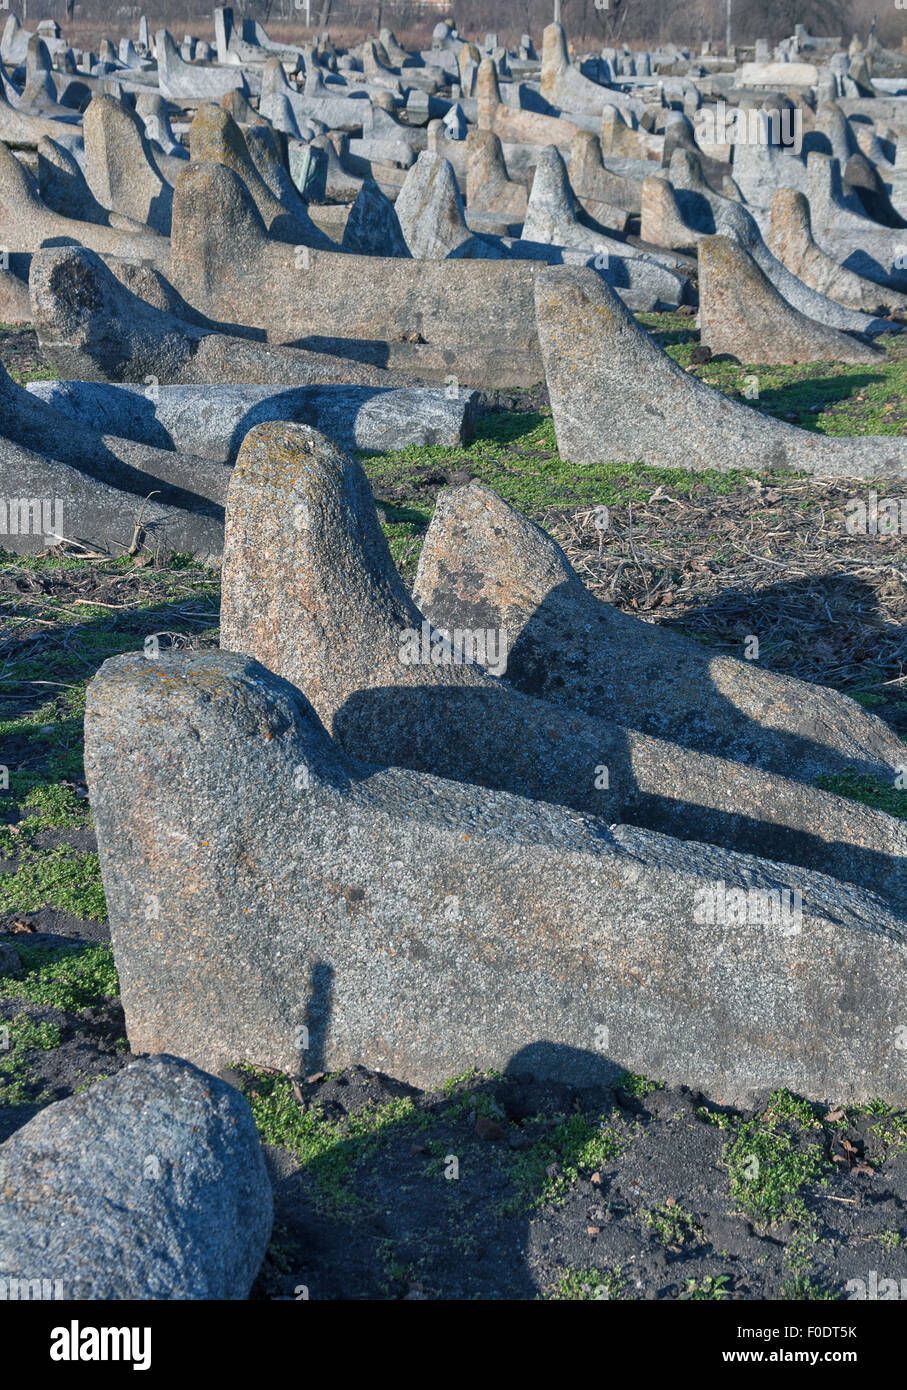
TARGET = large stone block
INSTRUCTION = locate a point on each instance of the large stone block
(94, 325)
(315, 913)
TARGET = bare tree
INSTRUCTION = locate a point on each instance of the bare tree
(776, 18)
(611, 19)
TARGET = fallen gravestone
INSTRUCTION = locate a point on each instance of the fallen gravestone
(343, 111)
(645, 281)
(335, 587)
(26, 223)
(225, 266)
(64, 189)
(179, 80)
(513, 125)
(64, 482)
(32, 424)
(23, 129)
(621, 139)
(214, 137)
(861, 245)
(154, 111)
(564, 86)
(608, 198)
(488, 186)
(212, 421)
(110, 512)
(119, 166)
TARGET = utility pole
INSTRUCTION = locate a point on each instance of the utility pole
(727, 33)
(557, 11)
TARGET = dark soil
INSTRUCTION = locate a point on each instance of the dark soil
(20, 353)
(658, 1222)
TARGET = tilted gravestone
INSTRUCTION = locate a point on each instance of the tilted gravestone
(682, 213)
(483, 564)
(27, 223)
(119, 167)
(309, 589)
(616, 396)
(792, 241)
(741, 314)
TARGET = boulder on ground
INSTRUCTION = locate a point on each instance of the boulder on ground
(149, 1185)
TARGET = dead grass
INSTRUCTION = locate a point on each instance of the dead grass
(774, 562)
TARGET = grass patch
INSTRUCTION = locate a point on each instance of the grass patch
(54, 806)
(473, 1077)
(823, 397)
(575, 1145)
(585, 1285)
(515, 454)
(68, 978)
(329, 1150)
(891, 1136)
(804, 1289)
(63, 877)
(671, 1225)
(635, 1084)
(45, 806)
(22, 1034)
(772, 1158)
(880, 795)
(709, 1289)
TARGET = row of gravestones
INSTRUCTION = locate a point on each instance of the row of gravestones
(499, 797)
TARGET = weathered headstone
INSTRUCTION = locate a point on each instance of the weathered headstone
(482, 562)
(742, 314)
(792, 241)
(616, 396)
